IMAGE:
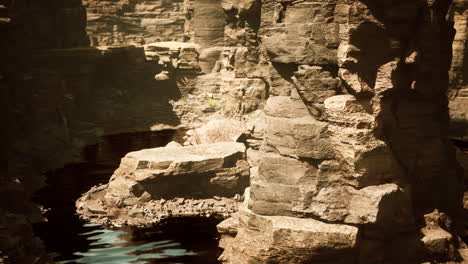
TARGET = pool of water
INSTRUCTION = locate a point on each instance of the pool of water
(104, 246)
(75, 241)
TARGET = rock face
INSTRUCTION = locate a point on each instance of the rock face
(281, 239)
(459, 72)
(136, 22)
(342, 104)
(359, 142)
(165, 181)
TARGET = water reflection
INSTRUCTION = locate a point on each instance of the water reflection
(184, 241)
(110, 247)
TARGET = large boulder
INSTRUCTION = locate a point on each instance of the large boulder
(252, 238)
(385, 205)
(155, 184)
(201, 170)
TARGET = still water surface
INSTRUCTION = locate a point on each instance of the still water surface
(109, 246)
(123, 246)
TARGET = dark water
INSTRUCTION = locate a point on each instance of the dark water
(74, 241)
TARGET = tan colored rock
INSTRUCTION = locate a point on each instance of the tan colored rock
(458, 73)
(437, 241)
(314, 84)
(151, 164)
(291, 131)
(174, 55)
(459, 116)
(208, 23)
(386, 205)
(219, 130)
(140, 22)
(167, 182)
(282, 239)
(291, 38)
(368, 159)
(282, 184)
(173, 144)
(242, 96)
(208, 58)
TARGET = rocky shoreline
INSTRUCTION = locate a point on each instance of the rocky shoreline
(154, 185)
(151, 213)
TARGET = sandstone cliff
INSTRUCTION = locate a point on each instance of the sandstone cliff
(136, 22)
(343, 108)
(364, 131)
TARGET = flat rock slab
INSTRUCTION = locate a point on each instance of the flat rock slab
(152, 185)
(150, 163)
(284, 239)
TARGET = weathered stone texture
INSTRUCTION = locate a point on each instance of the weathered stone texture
(150, 177)
(360, 138)
(135, 22)
(208, 23)
(342, 103)
(282, 239)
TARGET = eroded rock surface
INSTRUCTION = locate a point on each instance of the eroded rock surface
(350, 159)
(284, 239)
(354, 141)
(135, 22)
(155, 184)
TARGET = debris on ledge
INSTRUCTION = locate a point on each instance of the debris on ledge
(153, 185)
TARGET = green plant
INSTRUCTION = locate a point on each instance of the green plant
(211, 103)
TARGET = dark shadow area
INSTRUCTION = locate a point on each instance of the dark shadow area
(66, 185)
(65, 234)
(457, 129)
(463, 145)
(371, 50)
(286, 71)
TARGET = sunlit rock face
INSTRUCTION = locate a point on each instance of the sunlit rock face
(152, 185)
(359, 141)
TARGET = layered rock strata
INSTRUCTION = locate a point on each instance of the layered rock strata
(354, 166)
(136, 22)
(359, 142)
(283, 239)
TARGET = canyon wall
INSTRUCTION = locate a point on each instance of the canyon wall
(345, 102)
(354, 130)
(356, 165)
(26, 26)
(137, 22)
(60, 95)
